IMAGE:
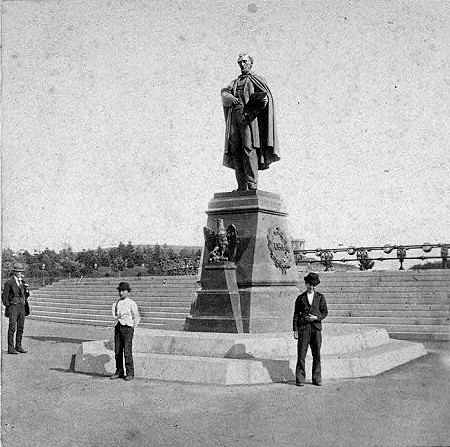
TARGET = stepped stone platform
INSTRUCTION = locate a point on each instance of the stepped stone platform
(410, 304)
(164, 302)
(348, 351)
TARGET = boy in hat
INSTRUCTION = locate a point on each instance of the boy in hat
(126, 313)
(15, 298)
(310, 310)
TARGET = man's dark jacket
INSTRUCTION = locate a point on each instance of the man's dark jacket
(303, 308)
(13, 294)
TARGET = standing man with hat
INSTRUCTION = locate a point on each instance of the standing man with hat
(126, 313)
(15, 298)
(310, 310)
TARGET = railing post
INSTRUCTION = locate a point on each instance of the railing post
(401, 255)
(326, 257)
(444, 255)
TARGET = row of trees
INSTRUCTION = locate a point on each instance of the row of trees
(101, 261)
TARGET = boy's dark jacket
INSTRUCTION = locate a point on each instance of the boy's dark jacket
(303, 308)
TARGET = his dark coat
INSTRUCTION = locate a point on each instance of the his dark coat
(13, 294)
(303, 308)
(263, 127)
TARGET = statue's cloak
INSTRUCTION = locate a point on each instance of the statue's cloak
(263, 127)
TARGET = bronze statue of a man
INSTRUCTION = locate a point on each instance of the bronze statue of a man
(251, 137)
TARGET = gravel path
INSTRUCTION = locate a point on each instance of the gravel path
(45, 404)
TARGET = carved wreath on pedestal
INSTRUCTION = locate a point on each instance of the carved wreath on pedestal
(279, 247)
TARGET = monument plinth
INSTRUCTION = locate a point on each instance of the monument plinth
(265, 273)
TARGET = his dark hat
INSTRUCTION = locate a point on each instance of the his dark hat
(18, 267)
(124, 286)
(312, 278)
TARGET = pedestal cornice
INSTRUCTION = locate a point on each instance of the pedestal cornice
(237, 202)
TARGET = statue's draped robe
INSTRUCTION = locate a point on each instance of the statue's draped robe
(263, 127)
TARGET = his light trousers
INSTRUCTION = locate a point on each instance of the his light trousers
(123, 347)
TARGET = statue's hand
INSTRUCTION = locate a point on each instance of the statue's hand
(265, 101)
(237, 102)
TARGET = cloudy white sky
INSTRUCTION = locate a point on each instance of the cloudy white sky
(113, 127)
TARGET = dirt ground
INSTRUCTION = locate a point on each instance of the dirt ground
(46, 404)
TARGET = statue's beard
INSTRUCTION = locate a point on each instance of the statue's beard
(246, 70)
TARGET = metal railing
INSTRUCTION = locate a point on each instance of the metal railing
(180, 267)
(362, 255)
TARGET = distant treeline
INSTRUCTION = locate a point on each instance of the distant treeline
(134, 260)
(429, 266)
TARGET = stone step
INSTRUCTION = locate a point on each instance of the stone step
(421, 336)
(178, 306)
(83, 314)
(392, 327)
(386, 274)
(112, 297)
(146, 316)
(165, 324)
(133, 284)
(443, 302)
(403, 289)
(107, 300)
(383, 279)
(388, 320)
(421, 307)
(381, 293)
(113, 289)
(357, 313)
(70, 320)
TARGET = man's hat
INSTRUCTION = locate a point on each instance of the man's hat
(312, 278)
(123, 286)
(18, 267)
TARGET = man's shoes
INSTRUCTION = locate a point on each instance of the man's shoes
(317, 383)
(116, 376)
(128, 377)
(300, 384)
(12, 351)
(21, 350)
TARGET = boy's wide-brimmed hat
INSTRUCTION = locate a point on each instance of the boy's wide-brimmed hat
(124, 286)
(18, 267)
(312, 278)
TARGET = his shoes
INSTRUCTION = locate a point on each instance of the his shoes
(300, 384)
(128, 377)
(12, 351)
(21, 350)
(117, 376)
(317, 383)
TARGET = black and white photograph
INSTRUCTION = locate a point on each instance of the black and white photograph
(225, 223)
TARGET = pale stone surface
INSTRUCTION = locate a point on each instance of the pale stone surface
(349, 351)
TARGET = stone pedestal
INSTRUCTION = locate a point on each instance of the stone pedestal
(266, 274)
(218, 304)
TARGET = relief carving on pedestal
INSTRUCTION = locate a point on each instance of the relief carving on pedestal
(280, 249)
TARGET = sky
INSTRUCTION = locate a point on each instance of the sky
(113, 129)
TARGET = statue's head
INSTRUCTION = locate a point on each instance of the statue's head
(245, 62)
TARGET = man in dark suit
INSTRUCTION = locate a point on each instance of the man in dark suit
(310, 310)
(15, 298)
